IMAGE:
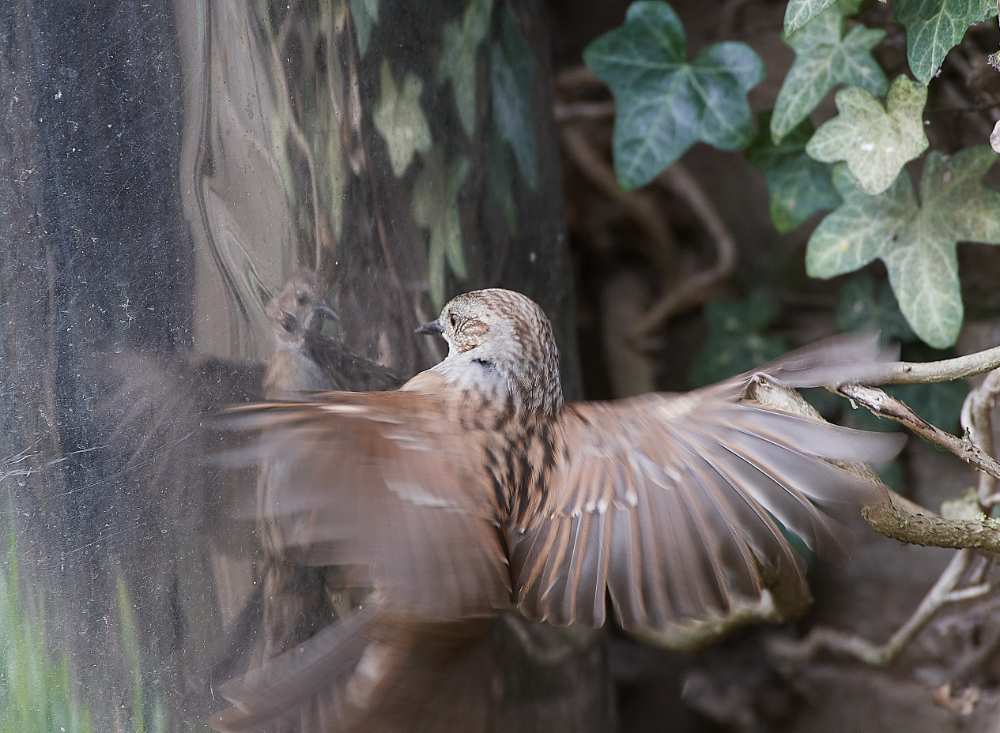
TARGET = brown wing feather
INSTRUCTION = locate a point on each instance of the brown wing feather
(380, 479)
(683, 492)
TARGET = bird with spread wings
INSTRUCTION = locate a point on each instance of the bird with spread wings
(475, 490)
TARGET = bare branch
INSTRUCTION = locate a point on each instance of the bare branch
(848, 644)
(730, 16)
(639, 205)
(574, 78)
(682, 184)
(883, 405)
(947, 370)
(902, 520)
(573, 111)
(978, 425)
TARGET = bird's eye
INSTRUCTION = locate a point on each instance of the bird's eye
(453, 319)
(301, 298)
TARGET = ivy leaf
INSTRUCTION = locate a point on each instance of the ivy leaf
(876, 142)
(457, 64)
(799, 186)
(800, 12)
(665, 104)
(365, 15)
(435, 207)
(825, 57)
(512, 66)
(916, 241)
(400, 120)
(862, 308)
(736, 338)
(934, 26)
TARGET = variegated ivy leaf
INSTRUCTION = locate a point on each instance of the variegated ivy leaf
(435, 207)
(365, 15)
(400, 120)
(512, 67)
(800, 12)
(457, 64)
(933, 27)
(875, 141)
(915, 240)
(825, 57)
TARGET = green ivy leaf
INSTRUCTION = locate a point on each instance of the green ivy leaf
(799, 186)
(875, 141)
(665, 104)
(512, 66)
(736, 338)
(861, 308)
(934, 26)
(365, 15)
(435, 207)
(457, 64)
(825, 57)
(916, 241)
(400, 120)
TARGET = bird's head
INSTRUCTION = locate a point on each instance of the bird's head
(294, 310)
(499, 334)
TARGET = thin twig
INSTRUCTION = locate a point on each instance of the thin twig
(845, 643)
(639, 205)
(729, 17)
(883, 405)
(573, 78)
(946, 370)
(988, 642)
(978, 425)
(574, 111)
(682, 184)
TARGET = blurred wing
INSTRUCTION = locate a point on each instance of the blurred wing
(379, 480)
(372, 673)
(846, 358)
(670, 502)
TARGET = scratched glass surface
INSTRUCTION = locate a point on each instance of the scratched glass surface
(167, 167)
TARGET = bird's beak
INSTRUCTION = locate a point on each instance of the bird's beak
(430, 329)
(325, 310)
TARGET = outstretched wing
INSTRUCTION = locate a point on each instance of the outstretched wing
(378, 480)
(372, 672)
(672, 503)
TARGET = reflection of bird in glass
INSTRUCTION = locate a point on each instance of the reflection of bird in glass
(475, 489)
(153, 411)
(293, 314)
(297, 599)
(305, 360)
